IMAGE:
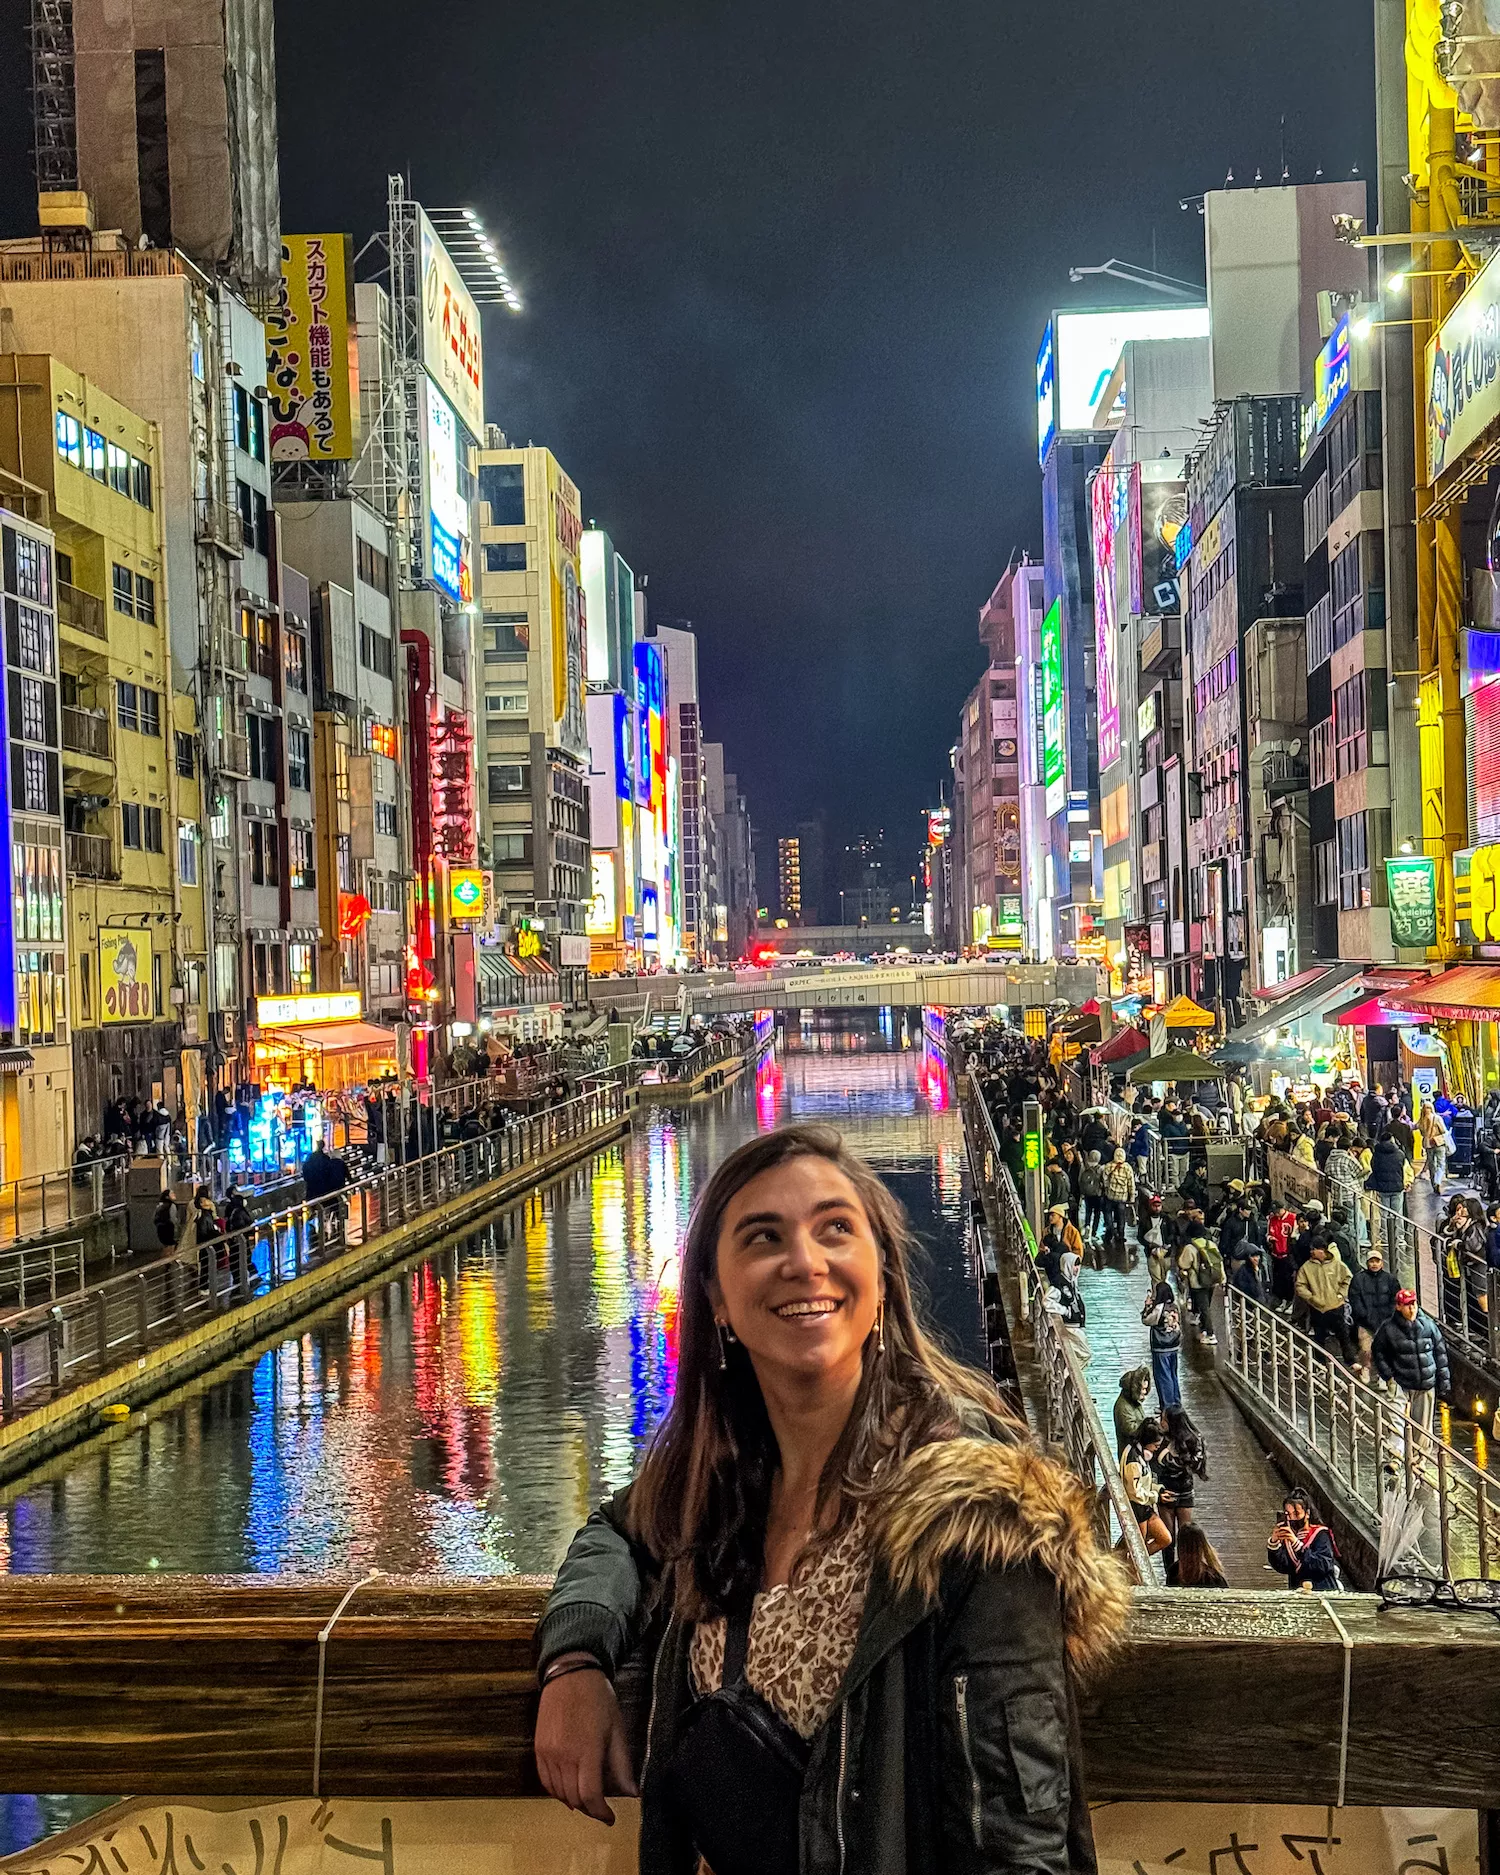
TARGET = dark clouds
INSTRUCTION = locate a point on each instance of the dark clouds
(786, 266)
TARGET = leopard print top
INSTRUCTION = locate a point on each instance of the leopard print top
(801, 1639)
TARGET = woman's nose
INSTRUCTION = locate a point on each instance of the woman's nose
(804, 1253)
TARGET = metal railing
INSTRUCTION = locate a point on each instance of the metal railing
(707, 1055)
(1072, 1419)
(85, 732)
(31, 1207)
(53, 1268)
(92, 856)
(1364, 1438)
(45, 1351)
(84, 611)
(1465, 1306)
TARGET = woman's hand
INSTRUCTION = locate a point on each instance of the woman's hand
(581, 1750)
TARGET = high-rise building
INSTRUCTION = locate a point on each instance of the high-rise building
(812, 854)
(735, 858)
(789, 879)
(130, 761)
(679, 651)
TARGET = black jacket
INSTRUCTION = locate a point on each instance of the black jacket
(1372, 1298)
(1387, 1167)
(1313, 1561)
(956, 1712)
(1414, 1355)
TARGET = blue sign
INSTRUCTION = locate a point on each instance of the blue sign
(623, 739)
(1333, 378)
(1046, 393)
(446, 566)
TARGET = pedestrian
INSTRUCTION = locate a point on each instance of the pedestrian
(1059, 1187)
(1195, 1562)
(1059, 1239)
(1163, 1317)
(1180, 1464)
(1091, 1188)
(1346, 1177)
(1138, 1473)
(1302, 1549)
(1323, 1289)
(885, 1481)
(1409, 1352)
(164, 1220)
(1119, 1196)
(1281, 1227)
(1437, 1143)
(1372, 1303)
(1201, 1270)
(1130, 1404)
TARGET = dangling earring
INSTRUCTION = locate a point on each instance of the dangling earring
(726, 1338)
(880, 1328)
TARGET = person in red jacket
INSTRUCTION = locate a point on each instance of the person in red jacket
(1281, 1228)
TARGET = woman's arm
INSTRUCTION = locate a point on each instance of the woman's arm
(1010, 1786)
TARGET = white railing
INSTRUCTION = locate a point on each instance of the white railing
(1466, 1306)
(1364, 1439)
(43, 1269)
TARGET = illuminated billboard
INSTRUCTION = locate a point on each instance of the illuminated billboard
(650, 695)
(1332, 378)
(307, 352)
(1078, 355)
(126, 991)
(465, 894)
(601, 921)
(452, 342)
(1109, 497)
(1054, 751)
(1463, 371)
(449, 552)
(568, 664)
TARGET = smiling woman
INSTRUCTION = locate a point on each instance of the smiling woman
(865, 1592)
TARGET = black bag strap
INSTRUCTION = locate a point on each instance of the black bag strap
(736, 1646)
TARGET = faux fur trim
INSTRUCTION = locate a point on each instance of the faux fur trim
(979, 1501)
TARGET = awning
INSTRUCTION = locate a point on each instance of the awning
(1470, 993)
(1183, 1013)
(1291, 986)
(1368, 1012)
(1081, 1030)
(1322, 993)
(1122, 1046)
(495, 967)
(16, 1060)
(334, 1038)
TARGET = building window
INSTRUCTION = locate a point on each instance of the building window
(1320, 741)
(1354, 863)
(296, 661)
(124, 591)
(249, 424)
(70, 439)
(512, 849)
(301, 866)
(375, 651)
(298, 759)
(130, 826)
(344, 857)
(31, 568)
(385, 818)
(300, 967)
(119, 469)
(140, 483)
(151, 829)
(265, 853)
(509, 781)
(510, 557)
(218, 821)
(265, 751)
(95, 457)
(127, 706)
(505, 636)
(85, 988)
(505, 703)
(39, 784)
(503, 486)
(187, 765)
(187, 852)
(150, 712)
(372, 566)
(145, 598)
(34, 640)
(254, 517)
(34, 710)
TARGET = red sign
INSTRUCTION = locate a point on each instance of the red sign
(354, 914)
(385, 741)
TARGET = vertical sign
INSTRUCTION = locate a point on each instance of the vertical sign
(307, 352)
(1054, 753)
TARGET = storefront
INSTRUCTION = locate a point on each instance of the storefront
(1463, 1007)
(1289, 1019)
(313, 1059)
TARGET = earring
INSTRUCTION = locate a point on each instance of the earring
(726, 1338)
(880, 1328)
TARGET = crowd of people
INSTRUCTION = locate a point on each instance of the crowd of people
(1326, 1267)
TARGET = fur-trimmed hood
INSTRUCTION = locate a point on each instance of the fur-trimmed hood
(978, 1501)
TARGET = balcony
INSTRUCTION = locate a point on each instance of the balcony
(1283, 774)
(92, 856)
(219, 526)
(86, 732)
(233, 756)
(82, 612)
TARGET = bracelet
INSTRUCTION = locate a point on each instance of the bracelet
(561, 1668)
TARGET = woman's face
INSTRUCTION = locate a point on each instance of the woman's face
(799, 1277)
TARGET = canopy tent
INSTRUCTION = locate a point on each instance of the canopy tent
(1292, 986)
(330, 1038)
(1177, 1064)
(1082, 1030)
(1240, 1054)
(1471, 993)
(1183, 1013)
(1123, 1045)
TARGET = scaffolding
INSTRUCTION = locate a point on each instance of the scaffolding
(404, 246)
(54, 101)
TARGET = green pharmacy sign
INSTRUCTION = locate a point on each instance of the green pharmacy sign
(1413, 894)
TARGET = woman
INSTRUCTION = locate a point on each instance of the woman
(1195, 1563)
(1437, 1143)
(1163, 1317)
(1138, 1470)
(824, 1470)
(1130, 1405)
(1179, 1464)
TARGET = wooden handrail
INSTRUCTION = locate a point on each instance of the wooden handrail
(163, 1685)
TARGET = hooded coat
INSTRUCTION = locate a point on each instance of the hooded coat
(988, 1592)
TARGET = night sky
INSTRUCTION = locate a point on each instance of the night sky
(786, 267)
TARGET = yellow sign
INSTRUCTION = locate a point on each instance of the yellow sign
(465, 893)
(125, 977)
(528, 943)
(307, 352)
(303, 1012)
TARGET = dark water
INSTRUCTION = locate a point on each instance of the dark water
(464, 1415)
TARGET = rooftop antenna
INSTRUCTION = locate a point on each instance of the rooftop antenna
(1147, 277)
(1286, 174)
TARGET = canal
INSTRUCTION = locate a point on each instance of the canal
(464, 1414)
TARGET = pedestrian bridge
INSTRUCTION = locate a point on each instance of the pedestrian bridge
(849, 986)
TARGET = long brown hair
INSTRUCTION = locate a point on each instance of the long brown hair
(701, 1498)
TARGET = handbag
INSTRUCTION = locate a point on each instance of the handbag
(735, 1774)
